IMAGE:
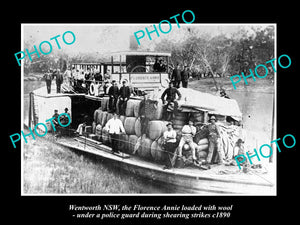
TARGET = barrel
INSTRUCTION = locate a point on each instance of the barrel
(104, 103)
(131, 104)
(157, 153)
(104, 118)
(138, 127)
(122, 143)
(145, 149)
(129, 125)
(132, 140)
(157, 113)
(156, 128)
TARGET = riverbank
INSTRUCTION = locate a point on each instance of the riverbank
(52, 169)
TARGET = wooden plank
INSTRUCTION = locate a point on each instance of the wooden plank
(100, 146)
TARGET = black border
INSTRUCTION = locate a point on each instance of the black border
(35, 209)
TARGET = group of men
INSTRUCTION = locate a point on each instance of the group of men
(120, 95)
(49, 76)
(180, 76)
(188, 132)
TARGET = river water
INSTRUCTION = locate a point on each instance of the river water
(256, 107)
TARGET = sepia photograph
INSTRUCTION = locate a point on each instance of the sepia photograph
(131, 109)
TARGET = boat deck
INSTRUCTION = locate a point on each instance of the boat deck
(219, 179)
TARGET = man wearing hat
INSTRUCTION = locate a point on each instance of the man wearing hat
(213, 138)
(48, 78)
(113, 94)
(123, 98)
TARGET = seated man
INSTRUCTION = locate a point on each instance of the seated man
(188, 132)
(171, 107)
(82, 126)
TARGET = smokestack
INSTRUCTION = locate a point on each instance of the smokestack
(133, 45)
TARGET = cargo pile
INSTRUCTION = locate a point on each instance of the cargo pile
(149, 146)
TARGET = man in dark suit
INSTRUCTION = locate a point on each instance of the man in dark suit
(123, 97)
(113, 94)
(185, 77)
(59, 80)
(48, 78)
(176, 76)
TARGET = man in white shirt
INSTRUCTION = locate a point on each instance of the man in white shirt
(114, 126)
(188, 132)
(169, 144)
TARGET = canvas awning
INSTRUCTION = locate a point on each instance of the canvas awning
(196, 100)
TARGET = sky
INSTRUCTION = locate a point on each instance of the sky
(102, 38)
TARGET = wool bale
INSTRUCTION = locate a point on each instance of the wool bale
(203, 147)
(99, 117)
(157, 153)
(145, 149)
(138, 127)
(129, 125)
(156, 128)
(104, 103)
(96, 115)
(203, 141)
(201, 155)
(131, 104)
(132, 140)
(104, 118)
(136, 108)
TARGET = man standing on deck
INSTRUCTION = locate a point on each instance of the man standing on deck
(213, 138)
(59, 80)
(185, 77)
(114, 126)
(113, 94)
(123, 98)
(48, 79)
(176, 76)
